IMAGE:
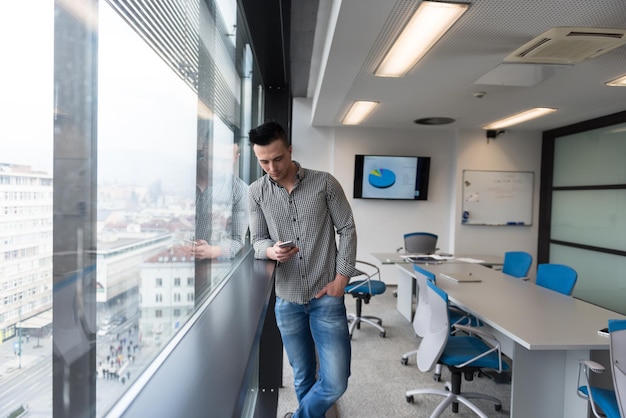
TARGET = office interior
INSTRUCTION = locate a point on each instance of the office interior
(312, 60)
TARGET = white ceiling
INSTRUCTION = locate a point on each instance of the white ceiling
(351, 36)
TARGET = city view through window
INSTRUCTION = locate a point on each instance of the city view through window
(167, 165)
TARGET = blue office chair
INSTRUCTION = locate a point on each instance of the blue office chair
(611, 402)
(557, 277)
(421, 320)
(362, 288)
(517, 263)
(464, 355)
(420, 243)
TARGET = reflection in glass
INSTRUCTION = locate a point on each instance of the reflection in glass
(221, 203)
(146, 141)
(172, 209)
(140, 269)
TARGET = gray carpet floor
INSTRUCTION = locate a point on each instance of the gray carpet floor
(379, 381)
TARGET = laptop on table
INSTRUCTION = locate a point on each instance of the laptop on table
(461, 277)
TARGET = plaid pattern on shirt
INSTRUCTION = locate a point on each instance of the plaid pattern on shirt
(310, 216)
(222, 214)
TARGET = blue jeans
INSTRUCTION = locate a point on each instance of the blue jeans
(320, 324)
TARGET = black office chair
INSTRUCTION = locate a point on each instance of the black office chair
(420, 243)
(362, 288)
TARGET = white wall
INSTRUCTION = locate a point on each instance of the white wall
(381, 224)
(515, 151)
(312, 147)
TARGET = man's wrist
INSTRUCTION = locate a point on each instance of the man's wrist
(343, 278)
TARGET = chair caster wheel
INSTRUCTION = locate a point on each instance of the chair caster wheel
(404, 361)
(437, 377)
(410, 399)
(498, 407)
(382, 334)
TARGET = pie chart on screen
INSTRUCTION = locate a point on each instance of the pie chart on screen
(382, 178)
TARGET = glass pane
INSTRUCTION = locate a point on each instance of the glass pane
(601, 277)
(591, 217)
(172, 206)
(26, 207)
(146, 176)
(591, 158)
(149, 126)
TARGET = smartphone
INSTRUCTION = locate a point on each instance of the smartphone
(604, 332)
(287, 244)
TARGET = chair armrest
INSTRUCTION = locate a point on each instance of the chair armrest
(367, 263)
(370, 274)
(583, 389)
(458, 310)
(464, 317)
(592, 365)
(488, 338)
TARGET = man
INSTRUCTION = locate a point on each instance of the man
(221, 212)
(221, 204)
(290, 203)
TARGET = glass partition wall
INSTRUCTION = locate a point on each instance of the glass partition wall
(126, 206)
(584, 207)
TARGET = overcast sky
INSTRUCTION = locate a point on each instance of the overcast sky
(146, 114)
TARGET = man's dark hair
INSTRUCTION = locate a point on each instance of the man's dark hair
(267, 133)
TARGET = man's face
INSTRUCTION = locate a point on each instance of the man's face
(275, 159)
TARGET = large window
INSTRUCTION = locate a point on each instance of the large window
(124, 167)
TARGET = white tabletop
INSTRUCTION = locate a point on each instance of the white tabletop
(535, 317)
(486, 260)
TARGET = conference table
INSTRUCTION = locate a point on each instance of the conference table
(406, 286)
(544, 332)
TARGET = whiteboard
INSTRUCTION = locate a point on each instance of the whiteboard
(497, 197)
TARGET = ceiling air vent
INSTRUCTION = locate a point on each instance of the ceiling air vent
(568, 46)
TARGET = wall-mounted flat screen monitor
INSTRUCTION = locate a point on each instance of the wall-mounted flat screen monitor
(391, 177)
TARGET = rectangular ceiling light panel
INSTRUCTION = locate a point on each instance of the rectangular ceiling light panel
(429, 23)
(520, 117)
(618, 82)
(358, 112)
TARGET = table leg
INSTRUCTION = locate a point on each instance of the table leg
(544, 383)
(405, 295)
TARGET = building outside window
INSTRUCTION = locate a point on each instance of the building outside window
(98, 170)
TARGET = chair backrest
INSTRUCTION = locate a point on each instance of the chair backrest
(517, 263)
(558, 277)
(420, 243)
(421, 320)
(617, 334)
(436, 338)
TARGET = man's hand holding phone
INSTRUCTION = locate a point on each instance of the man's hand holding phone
(284, 250)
